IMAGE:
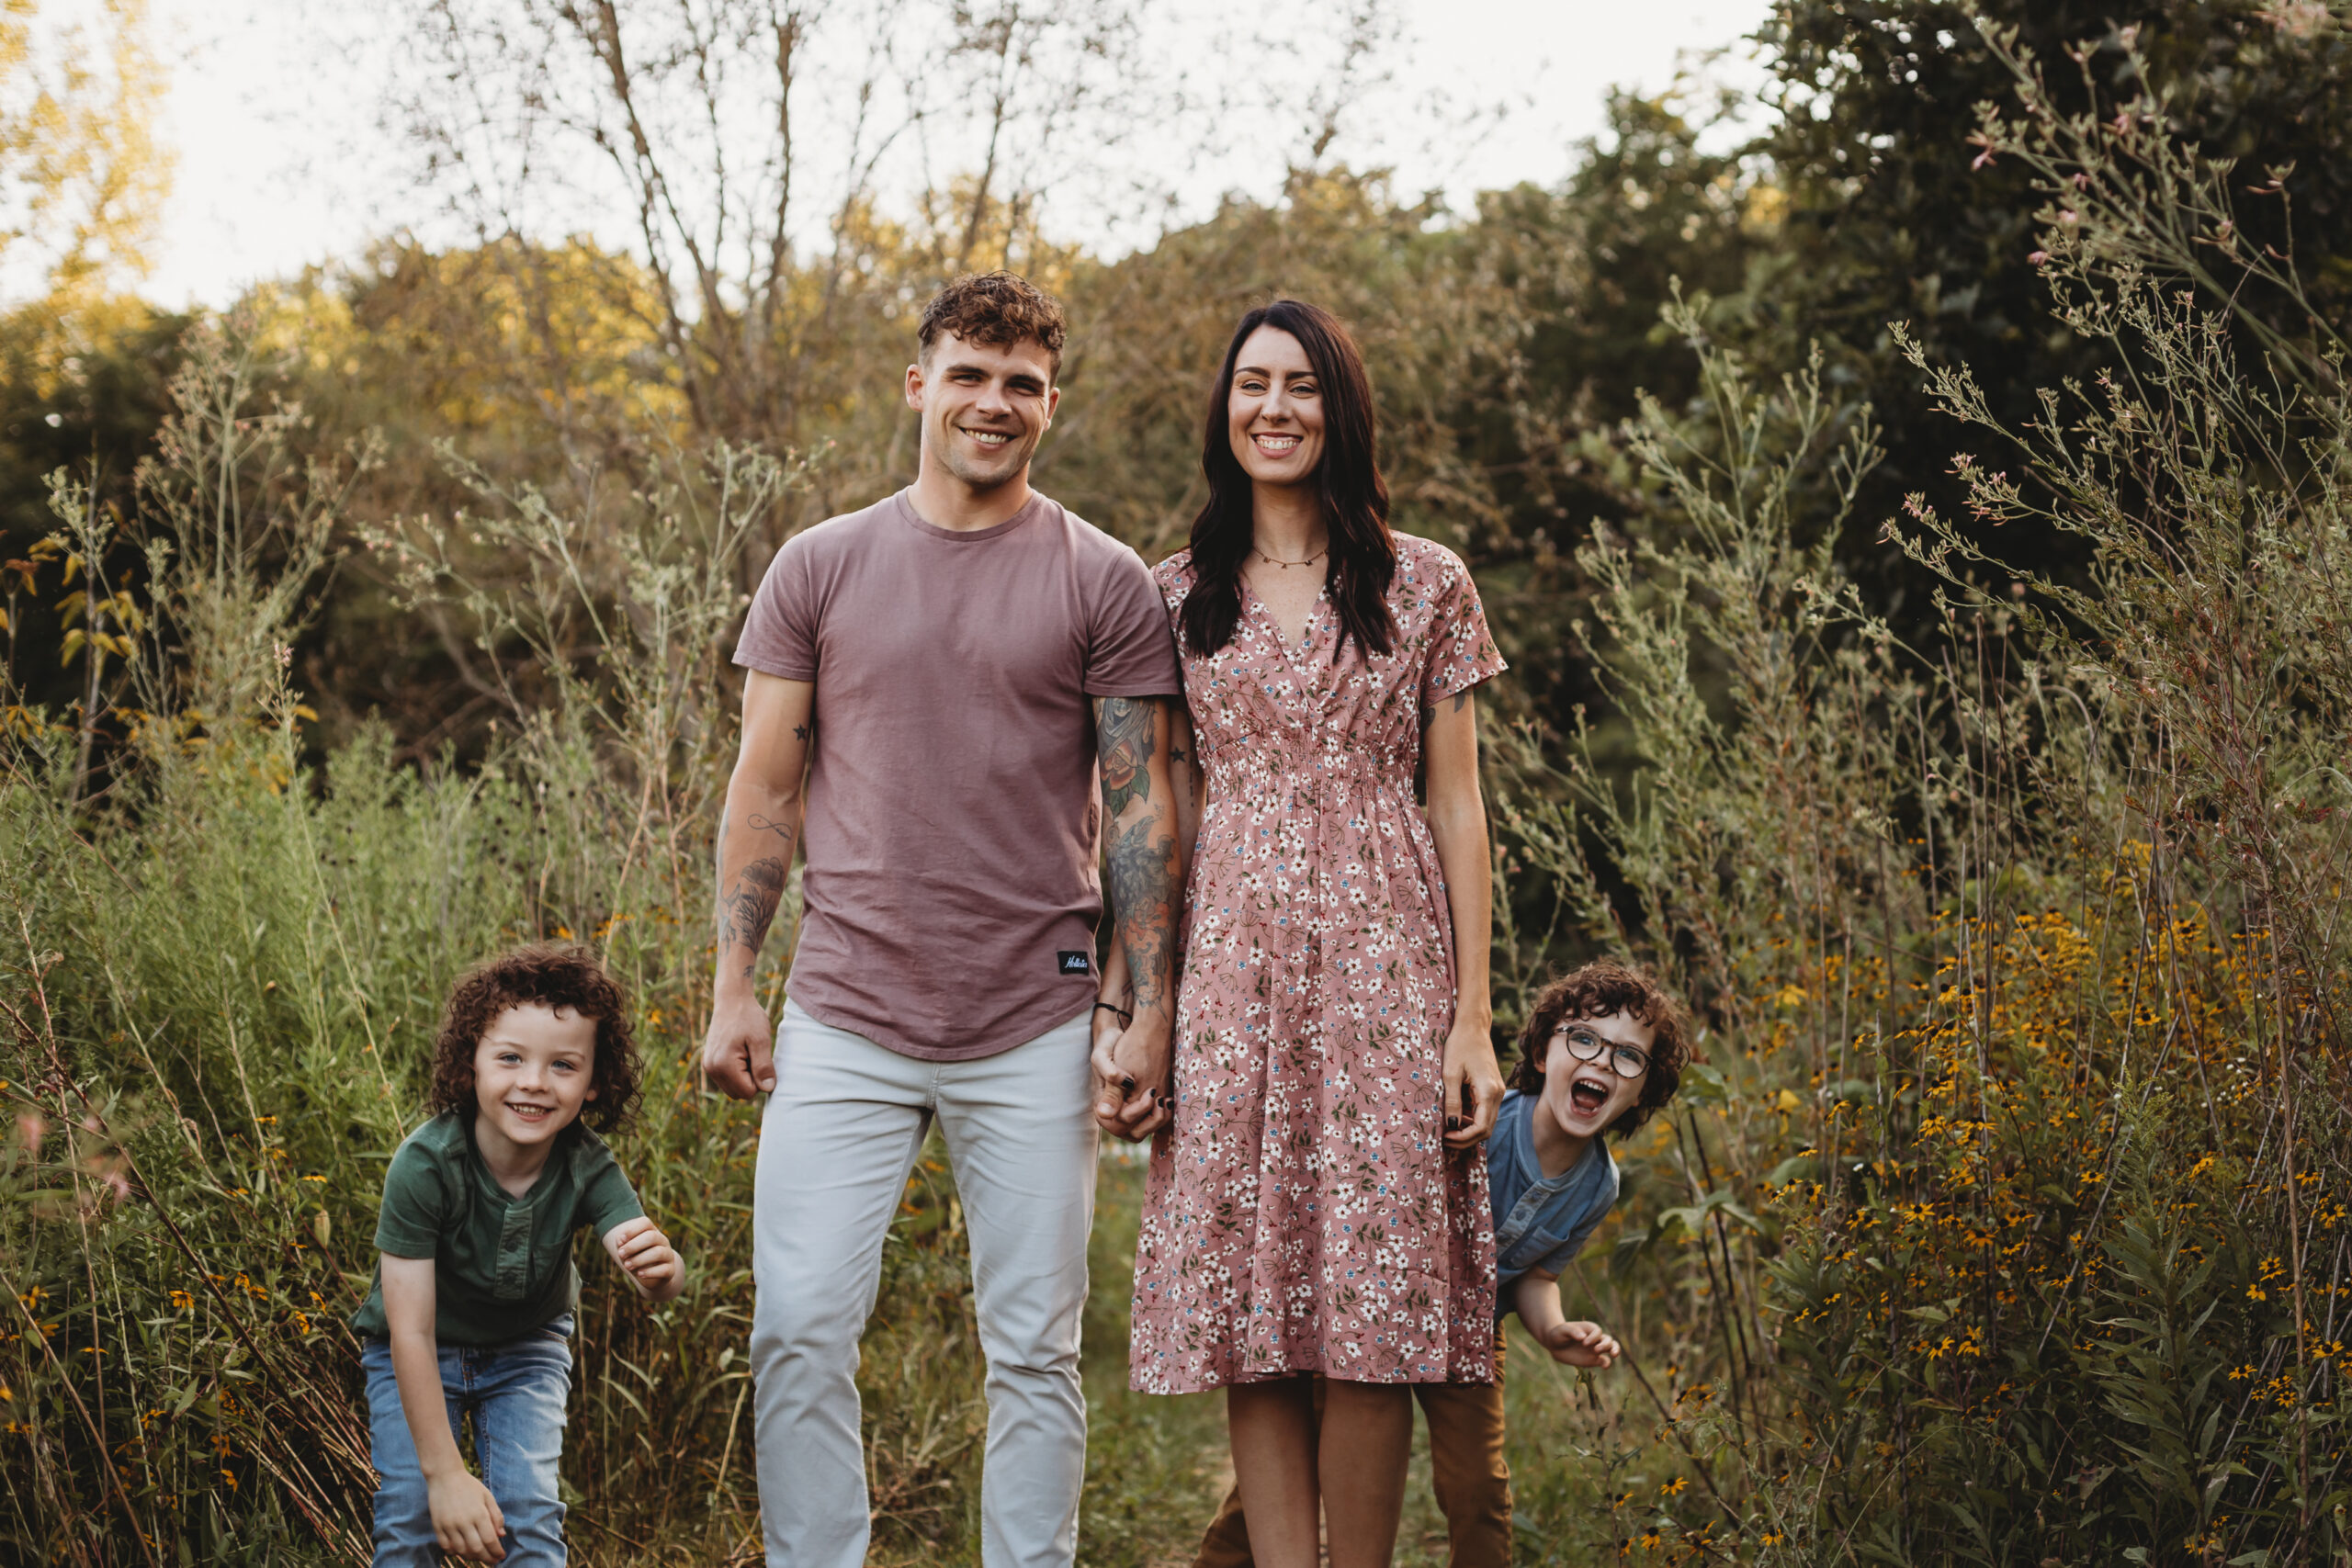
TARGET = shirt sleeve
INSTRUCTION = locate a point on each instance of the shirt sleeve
(1462, 650)
(1134, 644)
(607, 1199)
(415, 1215)
(780, 632)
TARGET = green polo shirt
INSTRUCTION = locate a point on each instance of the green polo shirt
(502, 1266)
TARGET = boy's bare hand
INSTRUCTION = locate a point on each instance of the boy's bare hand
(1581, 1345)
(638, 1247)
(738, 1053)
(466, 1519)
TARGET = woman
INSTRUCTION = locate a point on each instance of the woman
(1317, 1206)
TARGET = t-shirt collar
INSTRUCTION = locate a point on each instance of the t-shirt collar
(904, 501)
(566, 1142)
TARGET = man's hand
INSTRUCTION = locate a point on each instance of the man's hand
(653, 1265)
(1134, 1092)
(466, 1519)
(738, 1053)
(1470, 1063)
(1581, 1345)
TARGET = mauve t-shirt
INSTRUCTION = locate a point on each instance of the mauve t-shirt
(951, 891)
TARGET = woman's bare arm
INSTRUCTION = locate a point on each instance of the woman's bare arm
(1457, 815)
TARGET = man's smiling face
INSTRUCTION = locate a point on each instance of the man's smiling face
(1584, 1097)
(984, 405)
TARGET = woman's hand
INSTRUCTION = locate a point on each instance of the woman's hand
(1132, 1073)
(1470, 1065)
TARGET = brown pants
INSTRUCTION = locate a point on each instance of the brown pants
(1467, 1470)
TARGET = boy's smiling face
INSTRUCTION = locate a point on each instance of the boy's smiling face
(1584, 1098)
(534, 1069)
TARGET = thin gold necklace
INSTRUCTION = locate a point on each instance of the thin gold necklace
(1286, 565)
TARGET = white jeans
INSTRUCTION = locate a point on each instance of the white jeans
(842, 1130)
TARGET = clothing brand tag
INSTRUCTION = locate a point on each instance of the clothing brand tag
(1076, 963)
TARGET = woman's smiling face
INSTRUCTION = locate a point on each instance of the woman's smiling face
(1585, 1098)
(1275, 410)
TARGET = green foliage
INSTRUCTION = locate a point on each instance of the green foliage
(2005, 1218)
(1895, 213)
(2021, 955)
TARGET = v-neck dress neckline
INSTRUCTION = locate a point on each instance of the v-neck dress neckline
(1307, 633)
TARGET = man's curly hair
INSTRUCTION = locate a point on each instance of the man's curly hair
(997, 308)
(556, 976)
(1596, 990)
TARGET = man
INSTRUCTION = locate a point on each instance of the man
(935, 683)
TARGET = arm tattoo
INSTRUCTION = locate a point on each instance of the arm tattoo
(1143, 890)
(1141, 853)
(1123, 742)
(749, 909)
(760, 824)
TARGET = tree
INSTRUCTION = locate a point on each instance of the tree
(1897, 214)
(82, 180)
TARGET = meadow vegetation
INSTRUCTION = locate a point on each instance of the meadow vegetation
(1972, 758)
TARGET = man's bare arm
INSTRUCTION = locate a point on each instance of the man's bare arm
(757, 838)
(1146, 885)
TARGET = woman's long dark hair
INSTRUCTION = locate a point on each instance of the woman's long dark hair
(1355, 500)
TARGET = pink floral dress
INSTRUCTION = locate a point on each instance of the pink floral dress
(1304, 1213)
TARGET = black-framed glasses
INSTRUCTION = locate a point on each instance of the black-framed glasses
(1626, 1061)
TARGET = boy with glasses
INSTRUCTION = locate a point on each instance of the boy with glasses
(1602, 1051)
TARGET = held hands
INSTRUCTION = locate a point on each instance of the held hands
(1581, 1345)
(1133, 1096)
(653, 1265)
(466, 1520)
(738, 1053)
(1473, 1086)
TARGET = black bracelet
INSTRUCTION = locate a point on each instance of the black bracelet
(1121, 1014)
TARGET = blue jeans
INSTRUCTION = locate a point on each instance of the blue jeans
(516, 1393)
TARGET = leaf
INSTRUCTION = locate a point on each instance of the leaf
(74, 641)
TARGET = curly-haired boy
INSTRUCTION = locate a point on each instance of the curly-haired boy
(471, 1314)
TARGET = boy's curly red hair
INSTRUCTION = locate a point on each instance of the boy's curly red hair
(1596, 990)
(556, 976)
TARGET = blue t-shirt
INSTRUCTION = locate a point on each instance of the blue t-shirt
(1541, 1222)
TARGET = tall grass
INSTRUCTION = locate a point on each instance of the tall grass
(2004, 1220)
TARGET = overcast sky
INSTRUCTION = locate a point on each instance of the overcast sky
(281, 163)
